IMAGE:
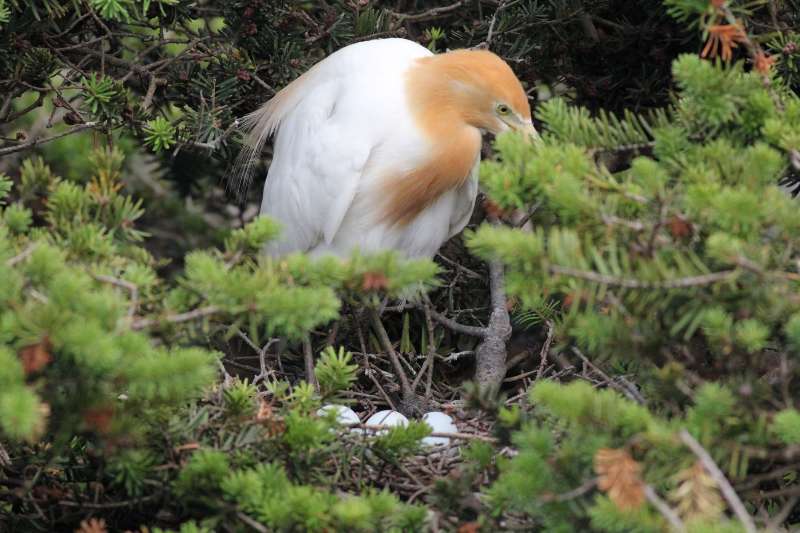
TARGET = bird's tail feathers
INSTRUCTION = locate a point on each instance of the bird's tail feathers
(259, 126)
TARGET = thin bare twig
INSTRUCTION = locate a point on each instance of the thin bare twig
(262, 354)
(627, 389)
(474, 331)
(755, 480)
(722, 482)
(22, 256)
(5, 458)
(36, 142)
(111, 505)
(127, 285)
(783, 514)
(665, 510)
(490, 34)
(177, 318)
(308, 357)
(427, 366)
(151, 91)
(370, 373)
(408, 391)
(256, 526)
(577, 492)
(429, 14)
(545, 349)
(454, 435)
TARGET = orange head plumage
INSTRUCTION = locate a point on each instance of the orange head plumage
(453, 97)
(468, 87)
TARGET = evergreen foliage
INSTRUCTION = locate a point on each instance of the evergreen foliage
(676, 269)
(649, 251)
(80, 376)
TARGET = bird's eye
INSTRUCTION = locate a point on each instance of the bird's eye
(503, 109)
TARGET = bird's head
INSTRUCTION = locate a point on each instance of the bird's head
(476, 87)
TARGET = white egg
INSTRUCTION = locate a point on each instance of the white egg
(439, 423)
(344, 415)
(387, 418)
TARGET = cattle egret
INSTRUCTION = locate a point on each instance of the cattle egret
(377, 146)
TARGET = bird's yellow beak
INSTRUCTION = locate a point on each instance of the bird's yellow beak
(528, 131)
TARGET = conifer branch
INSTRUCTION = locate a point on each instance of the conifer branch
(755, 52)
(630, 283)
(504, 4)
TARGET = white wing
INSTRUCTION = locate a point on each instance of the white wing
(314, 175)
(331, 124)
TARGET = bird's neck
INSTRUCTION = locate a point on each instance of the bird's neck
(445, 116)
(447, 167)
(439, 95)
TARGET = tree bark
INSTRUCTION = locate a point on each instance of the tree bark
(490, 357)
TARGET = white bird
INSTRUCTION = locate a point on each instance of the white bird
(377, 146)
